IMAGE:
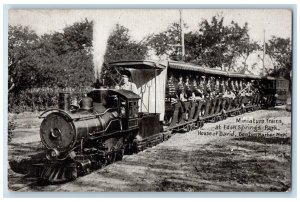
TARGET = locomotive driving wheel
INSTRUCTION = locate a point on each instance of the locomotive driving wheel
(120, 155)
(197, 125)
(111, 156)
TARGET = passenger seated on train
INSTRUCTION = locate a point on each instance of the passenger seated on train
(193, 88)
(226, 83)
(214, 88)
(182, 96)
(171, 90)
(126, 84)
(248, 91)
(229, 94)
(217, 88)
(188, 89)
(202, 85)
(181, 90)
(236, 87)
(222, 87)
(197, 92)
(256, 86)
(231, 85)
(242, 84)
(243, 92)
(207, 88)
(209, 93)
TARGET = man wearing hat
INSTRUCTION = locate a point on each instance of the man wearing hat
(126, 84)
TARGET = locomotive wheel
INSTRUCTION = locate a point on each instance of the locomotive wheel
(188, 128)
(120, 155)
(111, 157)
(225, 116)
(161, 138)
(87, 171)
(222, 116)
(128, 149)
(166, 137)
(194, 126)
(201, 124)
(197, 124)
(191, 127)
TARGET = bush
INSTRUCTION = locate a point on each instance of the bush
(40, 99)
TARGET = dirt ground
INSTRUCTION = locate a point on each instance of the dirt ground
(198, 161)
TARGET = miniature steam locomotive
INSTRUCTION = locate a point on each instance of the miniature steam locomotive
(110, 123)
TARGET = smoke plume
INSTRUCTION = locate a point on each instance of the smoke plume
(101, 31)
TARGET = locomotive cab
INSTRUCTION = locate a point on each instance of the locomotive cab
(127, 103)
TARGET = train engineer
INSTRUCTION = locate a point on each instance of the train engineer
(126, 84)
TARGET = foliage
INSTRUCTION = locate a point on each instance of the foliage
(39, 99)
(22, 63)
(56, 60)
(74, 38)
(217, 45)
(214, 45)
(280, 51)
(120, 46)
(166, 42)
(245, 49)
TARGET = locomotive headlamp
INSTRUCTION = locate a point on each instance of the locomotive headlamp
(52, 154)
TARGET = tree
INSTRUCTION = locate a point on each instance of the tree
(22, 45)
(76, 37)
(71, 63)
(58, 59)
(280, 51)
(239, 45)
(165, 43)
(245, 48)
(120, 46)
(216, 45)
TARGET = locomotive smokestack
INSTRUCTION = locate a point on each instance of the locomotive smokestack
(64, 101)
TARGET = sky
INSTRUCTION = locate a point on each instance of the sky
(142, 22)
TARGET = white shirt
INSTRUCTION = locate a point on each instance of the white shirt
(129, 86)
